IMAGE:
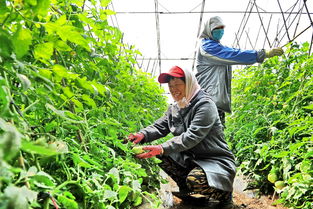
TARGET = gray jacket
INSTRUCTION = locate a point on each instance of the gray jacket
(198, 138)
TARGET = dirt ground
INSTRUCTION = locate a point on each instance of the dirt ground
(242, 199)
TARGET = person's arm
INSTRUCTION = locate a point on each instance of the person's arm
(223, 55)
(202, 123)
(158, 130)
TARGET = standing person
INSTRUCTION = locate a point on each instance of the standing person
(197, 158)
(214, 64)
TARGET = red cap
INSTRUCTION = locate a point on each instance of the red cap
(174, 71)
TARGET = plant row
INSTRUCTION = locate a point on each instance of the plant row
(69, 96)
(271, 127)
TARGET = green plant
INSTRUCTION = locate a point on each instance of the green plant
(69, 95)
(270, 129)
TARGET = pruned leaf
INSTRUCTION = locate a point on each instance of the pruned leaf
(19, 197)
(10, 142)
(108, 194)
(24, 81)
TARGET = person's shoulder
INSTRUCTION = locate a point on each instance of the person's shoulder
(209, 41)
(204, 97)
(211, 46)
(205, 104)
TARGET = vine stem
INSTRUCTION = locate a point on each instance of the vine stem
(7, 17)
(64, 184)
(21, 162)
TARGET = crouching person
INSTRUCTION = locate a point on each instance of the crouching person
(197, 158)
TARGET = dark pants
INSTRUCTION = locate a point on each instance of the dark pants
(191, 179)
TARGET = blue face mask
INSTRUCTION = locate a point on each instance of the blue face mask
(217, 34)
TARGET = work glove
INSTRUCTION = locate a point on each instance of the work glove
(153, 151)
(274, 52)
(136, 138)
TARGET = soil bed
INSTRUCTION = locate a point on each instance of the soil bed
(242, 199)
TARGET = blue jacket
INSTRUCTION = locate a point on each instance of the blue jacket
(214, 69)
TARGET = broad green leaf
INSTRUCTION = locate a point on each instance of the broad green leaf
(69, 116)
(109, 12)
(309, 107)
(30, 147)
(67, 203)
(31, 2)
(62, 72)
(92, 87)
(42, 7)
(51, 27)
(67, 91)
(70, 33)
(61, 21)
(62, 46)
(51, 126)
(3, 7)
(281, 154)
(294, 147)
(137, 201)
(123, 193)
(45, 73)
(78, 105)
(90, 102)
(89, 159)
(21, 41)
(43, 180)
(59, 71)
(84, 17)
(79, 161)
(6, 43)
(79, 3)
(103, 16)
(100, 88)
(104, 3)
(43, 51)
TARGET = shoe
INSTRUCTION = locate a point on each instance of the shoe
(181, 195)
(192, 199)
(226, 205)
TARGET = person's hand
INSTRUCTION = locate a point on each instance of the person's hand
(274, 52)
(136, 138)
(153, 151)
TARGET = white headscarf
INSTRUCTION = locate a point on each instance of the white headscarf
(210, 25)
(192, 88)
